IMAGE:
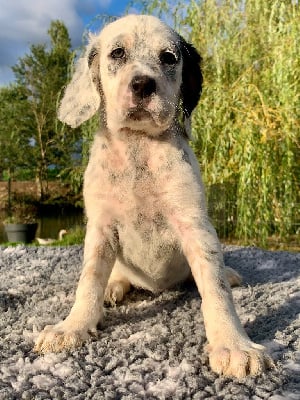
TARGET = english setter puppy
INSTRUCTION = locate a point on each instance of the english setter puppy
(144, 198)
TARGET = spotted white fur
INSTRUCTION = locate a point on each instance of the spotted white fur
(144, 197)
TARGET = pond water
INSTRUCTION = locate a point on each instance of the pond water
(51, 222)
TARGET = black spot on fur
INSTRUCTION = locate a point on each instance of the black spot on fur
(160, 221)
(142, 172)
(212, 256)
(93, 53)
(85, 109)
(114, 66)
(223, 286)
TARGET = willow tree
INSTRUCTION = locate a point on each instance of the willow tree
(247, 125)
(42, 74)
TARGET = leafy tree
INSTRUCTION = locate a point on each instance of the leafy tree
(14, 140)
(42, 74)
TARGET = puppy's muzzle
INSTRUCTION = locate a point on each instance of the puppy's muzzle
(142, 87)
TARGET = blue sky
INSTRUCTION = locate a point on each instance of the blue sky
(25, 22)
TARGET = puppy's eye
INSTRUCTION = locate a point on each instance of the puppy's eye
(117, 53)
(168, 58)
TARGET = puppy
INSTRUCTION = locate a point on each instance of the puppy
(144, 198)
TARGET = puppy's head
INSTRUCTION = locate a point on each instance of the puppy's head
(138, 72)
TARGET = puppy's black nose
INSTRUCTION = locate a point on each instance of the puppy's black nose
(142, 86)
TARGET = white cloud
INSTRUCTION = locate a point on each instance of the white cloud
(25, 22)
(30, 18)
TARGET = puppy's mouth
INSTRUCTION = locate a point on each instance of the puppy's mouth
(138, 114)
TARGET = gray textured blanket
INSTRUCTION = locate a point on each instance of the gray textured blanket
(152, 346)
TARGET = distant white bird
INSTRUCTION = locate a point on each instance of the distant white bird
(42, 241)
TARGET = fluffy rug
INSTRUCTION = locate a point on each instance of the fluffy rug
(152, 346)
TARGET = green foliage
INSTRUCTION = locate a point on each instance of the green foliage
(14, 140)
(246, 127)
(42, 74)
(21, 212)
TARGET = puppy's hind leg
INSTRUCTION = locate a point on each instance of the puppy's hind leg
(233, 277)
(118, 285)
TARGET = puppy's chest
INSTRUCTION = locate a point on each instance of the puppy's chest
(135, 171)
(134, 187)
(135, 182)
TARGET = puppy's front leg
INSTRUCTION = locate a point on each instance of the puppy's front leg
(231, 352)
(99, 257)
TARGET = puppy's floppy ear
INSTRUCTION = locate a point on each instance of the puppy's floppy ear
(192, 79)
(82, 98)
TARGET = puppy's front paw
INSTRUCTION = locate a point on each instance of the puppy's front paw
(239, 361)
(59, 337)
